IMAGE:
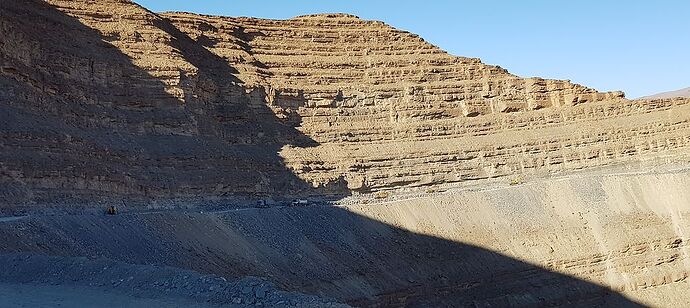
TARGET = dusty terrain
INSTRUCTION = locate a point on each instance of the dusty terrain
(671, 94)
(548, 241)
(39, 281)
(429, 179)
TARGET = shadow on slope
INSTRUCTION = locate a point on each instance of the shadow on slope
(326, 251)
(85, 123)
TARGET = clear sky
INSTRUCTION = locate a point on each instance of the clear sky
(641, 47)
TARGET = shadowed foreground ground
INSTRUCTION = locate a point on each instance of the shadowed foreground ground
(326, 251)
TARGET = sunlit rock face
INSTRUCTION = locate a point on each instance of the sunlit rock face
(104, 100)
(137, 103)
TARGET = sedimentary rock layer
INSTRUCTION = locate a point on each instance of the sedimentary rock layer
(390, 110)
(104, 99)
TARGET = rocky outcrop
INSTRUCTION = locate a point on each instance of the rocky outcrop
(107, 99)
(391, 111)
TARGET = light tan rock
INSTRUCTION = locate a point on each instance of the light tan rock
(318, 98)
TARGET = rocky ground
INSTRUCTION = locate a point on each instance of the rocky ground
(50, 296)
(420, 248)
(40, 281)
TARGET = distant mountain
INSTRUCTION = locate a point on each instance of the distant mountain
(678, 93)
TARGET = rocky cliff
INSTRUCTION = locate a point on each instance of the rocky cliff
(105, 99)
(108, 99)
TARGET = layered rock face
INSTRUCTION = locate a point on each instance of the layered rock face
(390, 110)
(108, 100)
(138, 104)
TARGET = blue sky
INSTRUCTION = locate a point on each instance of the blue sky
(637, 46)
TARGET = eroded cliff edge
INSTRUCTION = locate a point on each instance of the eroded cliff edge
(107, 99)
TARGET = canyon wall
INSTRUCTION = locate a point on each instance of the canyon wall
(392, 111)
(106, 99)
